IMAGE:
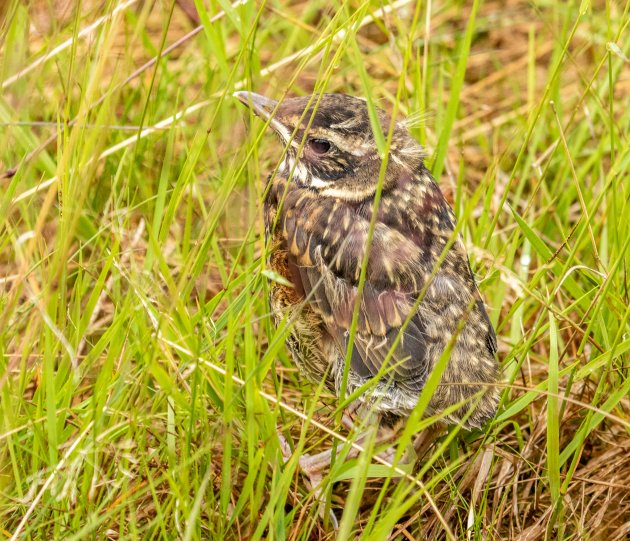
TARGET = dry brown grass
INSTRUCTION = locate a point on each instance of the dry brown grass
(155, 456)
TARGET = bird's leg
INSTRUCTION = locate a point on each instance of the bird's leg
(285, 448)
(418, 447)
(426, 438)
(314, 477)
(314, 465)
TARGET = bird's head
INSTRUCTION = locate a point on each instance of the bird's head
(331, 146)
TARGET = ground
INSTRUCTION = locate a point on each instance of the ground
(142, 382)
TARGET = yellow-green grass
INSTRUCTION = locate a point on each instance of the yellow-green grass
(142, 383)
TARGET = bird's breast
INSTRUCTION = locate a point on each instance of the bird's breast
(282, 296)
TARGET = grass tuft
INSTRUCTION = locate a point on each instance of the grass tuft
(142, 384)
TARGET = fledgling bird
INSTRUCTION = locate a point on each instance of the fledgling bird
(317, 213)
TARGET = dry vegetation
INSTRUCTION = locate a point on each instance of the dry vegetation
(141, 382)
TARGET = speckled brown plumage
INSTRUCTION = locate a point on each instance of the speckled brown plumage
(318, 209)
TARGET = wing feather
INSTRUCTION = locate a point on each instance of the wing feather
(403, 253)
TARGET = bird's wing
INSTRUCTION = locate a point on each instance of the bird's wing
(377, 344)
(326, 243)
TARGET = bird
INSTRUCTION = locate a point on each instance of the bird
(418, 299)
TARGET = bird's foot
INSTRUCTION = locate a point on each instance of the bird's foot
(313, 467)
(425, 439)
(285, 448)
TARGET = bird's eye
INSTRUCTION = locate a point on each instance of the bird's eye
(319, 146)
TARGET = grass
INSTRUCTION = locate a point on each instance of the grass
(141, 380)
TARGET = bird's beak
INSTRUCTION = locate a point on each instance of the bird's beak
(262, 106)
